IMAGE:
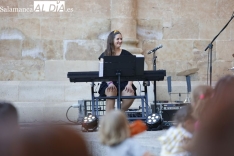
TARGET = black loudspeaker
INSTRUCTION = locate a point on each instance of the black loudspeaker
(169, 110)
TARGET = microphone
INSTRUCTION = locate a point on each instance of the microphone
(153, 50)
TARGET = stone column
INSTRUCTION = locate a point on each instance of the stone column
(123, 18)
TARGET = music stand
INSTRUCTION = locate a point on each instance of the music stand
(119, 66)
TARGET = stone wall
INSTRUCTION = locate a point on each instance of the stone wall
(37, 49)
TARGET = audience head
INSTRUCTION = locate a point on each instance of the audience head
(114, 128)
(200, 99)
(184, 117)
(9, 128)
(52, 141)
(215, 137)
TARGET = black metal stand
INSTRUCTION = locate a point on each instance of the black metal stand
(155, 95)
(210, 47)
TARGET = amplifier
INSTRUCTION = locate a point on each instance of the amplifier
(169, 109)
(172, 106)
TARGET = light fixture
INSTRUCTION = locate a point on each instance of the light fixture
(89, 123)
(154, 122)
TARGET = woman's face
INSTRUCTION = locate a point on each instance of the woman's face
(118, 41)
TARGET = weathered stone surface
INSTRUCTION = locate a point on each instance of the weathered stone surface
(224, 9)
(7, 6)
(78, 91)
(210, 28)
(232, 30)
(30, 27)
(225, 49)
(32, 49)
(30, 111)
(57, 70)
(73, 28)
(84, 49)
(56, 112)
(126, 26)
(196, 9)
(9, 90)
(150, 29)
(41, 91)
(156, 9)
(199, 52)
(53, 49)
(182, 29)
(125, 9)
(172, 49)
(21, 70)
(88, 9)
(10, 49)
(219, 69)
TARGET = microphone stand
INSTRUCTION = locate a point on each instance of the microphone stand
(210, 47)
(155, 96)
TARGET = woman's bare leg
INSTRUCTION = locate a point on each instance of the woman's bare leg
(110, 103)
(126, 103)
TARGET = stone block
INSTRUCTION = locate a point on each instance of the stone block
(220, 69)
(149, 29)
(6, 6)
(53, 28)
(199, 52)
(57, 70)
(224, 9)
(210, 28)
(84, 49)
(232, 30)
(53, 49)
(10, 49)
(171, 49)
(32, 49)
(182, 29)
(126, 26)
(26, 24)
(88, 9)
(29, 111)
(56, 112)
(21, 70)
(73, 28)
(125, 9)
(34, 91)
(196, 9)
(9, 91)
(76, 28)
(225, 49)
(156, 9)
(79, 91)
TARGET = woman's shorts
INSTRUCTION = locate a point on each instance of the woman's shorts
(123, 84)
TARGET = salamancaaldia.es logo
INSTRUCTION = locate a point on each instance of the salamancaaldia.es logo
(51, 6)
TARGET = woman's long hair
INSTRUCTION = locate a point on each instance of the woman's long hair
(215, 137)
(110, 48)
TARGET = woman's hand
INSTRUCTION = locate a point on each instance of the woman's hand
(128, 88)
(111, 88)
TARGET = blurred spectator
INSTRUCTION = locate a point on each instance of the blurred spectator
(9, 128)
(215, 137)
(52, 141)
(200, 102)
(177, 138)
(115, 134)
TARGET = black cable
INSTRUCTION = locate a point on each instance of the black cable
(68, 118)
